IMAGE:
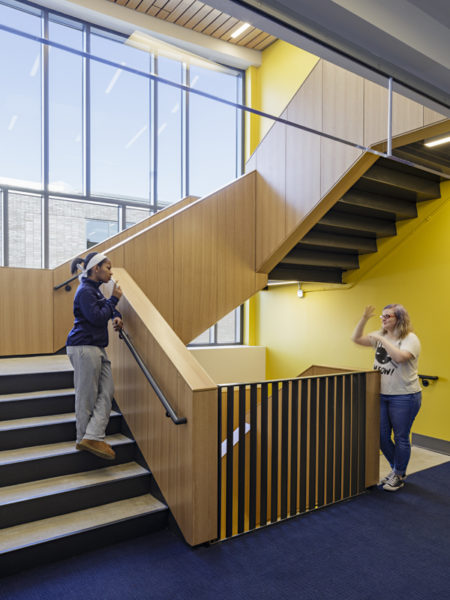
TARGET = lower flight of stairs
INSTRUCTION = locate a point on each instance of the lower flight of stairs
(56, 501)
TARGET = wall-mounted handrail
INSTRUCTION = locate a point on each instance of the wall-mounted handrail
(169, 410)
(427, 378)
(66, 284)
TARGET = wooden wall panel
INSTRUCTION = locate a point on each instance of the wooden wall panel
(270, 192)
(431, 116)
(343, 116)
(182, 458)
(303, 150)
(375, 113)
(195, 269)
(236, 241)
(26, 312)
(406, 114)
(149, 260)
(372, 428)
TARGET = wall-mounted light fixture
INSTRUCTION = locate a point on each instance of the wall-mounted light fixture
(300, 292)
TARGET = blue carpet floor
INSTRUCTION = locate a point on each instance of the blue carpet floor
(378, 546)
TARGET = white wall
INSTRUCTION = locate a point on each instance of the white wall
(233, 364)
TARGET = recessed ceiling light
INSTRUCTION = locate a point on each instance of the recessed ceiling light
(437, 141)
(240, 30)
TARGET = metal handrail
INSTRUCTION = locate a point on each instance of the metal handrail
(66, 284)
(169, 410)
(427, 378)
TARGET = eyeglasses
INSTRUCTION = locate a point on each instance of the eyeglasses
(386, 316)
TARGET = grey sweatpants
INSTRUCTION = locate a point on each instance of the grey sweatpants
(94, 390)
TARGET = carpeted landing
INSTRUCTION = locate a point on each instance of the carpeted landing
(379, 545)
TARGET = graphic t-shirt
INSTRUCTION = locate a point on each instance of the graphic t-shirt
(398, 378)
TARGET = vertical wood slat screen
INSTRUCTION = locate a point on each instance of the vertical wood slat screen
(288, 447)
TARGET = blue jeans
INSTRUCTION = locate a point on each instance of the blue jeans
(397, 414)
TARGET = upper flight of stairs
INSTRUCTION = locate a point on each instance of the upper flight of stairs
(388, 192)
(54, 500)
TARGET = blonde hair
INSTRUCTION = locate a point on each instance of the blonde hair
(403, 325)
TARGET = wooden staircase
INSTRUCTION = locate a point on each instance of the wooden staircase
(388, 192)
(54, 500)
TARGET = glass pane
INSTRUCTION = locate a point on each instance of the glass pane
(25, 230)
(75, 226)
(212, 132)
(66, 118)
(113, 47)
(24, 18)
(120, 121)
(169, 134)
(20, 111)
(202, 339)
(65, 31)
(226, 328)
(135, 215)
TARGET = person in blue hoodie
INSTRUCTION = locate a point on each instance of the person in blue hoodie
(86, 345)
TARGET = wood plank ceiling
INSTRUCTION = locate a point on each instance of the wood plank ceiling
(202, 18)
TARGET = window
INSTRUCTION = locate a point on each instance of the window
(88, 147)
(227, 331)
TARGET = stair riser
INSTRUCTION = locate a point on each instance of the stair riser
(71, 501)
(47, 434)
(65, 464)
(64, 547)
(35, 382)
(36, 407)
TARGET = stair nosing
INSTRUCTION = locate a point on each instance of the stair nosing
(40, 395)
(68, 447)
(46, 493)
(159, 507)
(41, 421)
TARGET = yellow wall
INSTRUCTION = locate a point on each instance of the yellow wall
(271, 86)
(415, 271)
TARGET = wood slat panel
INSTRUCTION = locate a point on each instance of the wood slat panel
(265, 42)
(144, 6)
(218, 22)
(181, 9)
(26, 314)
(222, 31)
(198, 17)
(207, 20)
(188, 14)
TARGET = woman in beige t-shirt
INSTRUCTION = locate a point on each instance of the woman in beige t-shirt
(397, 351)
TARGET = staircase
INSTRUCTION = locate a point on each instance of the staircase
(388, 192)
(54, 500)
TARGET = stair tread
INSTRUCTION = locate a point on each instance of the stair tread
(37, 395)
(34, 364)
(65, 483)
(48, 450)
(43, 420)
(28, 534)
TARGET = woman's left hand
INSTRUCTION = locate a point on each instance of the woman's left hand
(117, 323)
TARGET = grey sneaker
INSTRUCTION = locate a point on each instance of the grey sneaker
(388, 476)
(394, 483)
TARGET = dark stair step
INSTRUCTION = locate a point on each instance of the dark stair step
(34, 431)
(425, 188)
(47, 540)
(46, 498)
(365, 203)
(348, 223)
(50, 460)
(306, 274)
(46, 402)
(34, 382)
(300, 256)
(360, 244)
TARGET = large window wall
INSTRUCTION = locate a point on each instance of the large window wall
(95, 138)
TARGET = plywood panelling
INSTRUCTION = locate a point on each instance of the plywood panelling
(303, 150)
(343, 116)
(26, 315)
(149, 259)
(236, 245)
(406, 114)
(183, 458)
(431, 116)
(270, 192)
(195, 269)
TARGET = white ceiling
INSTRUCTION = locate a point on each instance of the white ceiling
(406, 39)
